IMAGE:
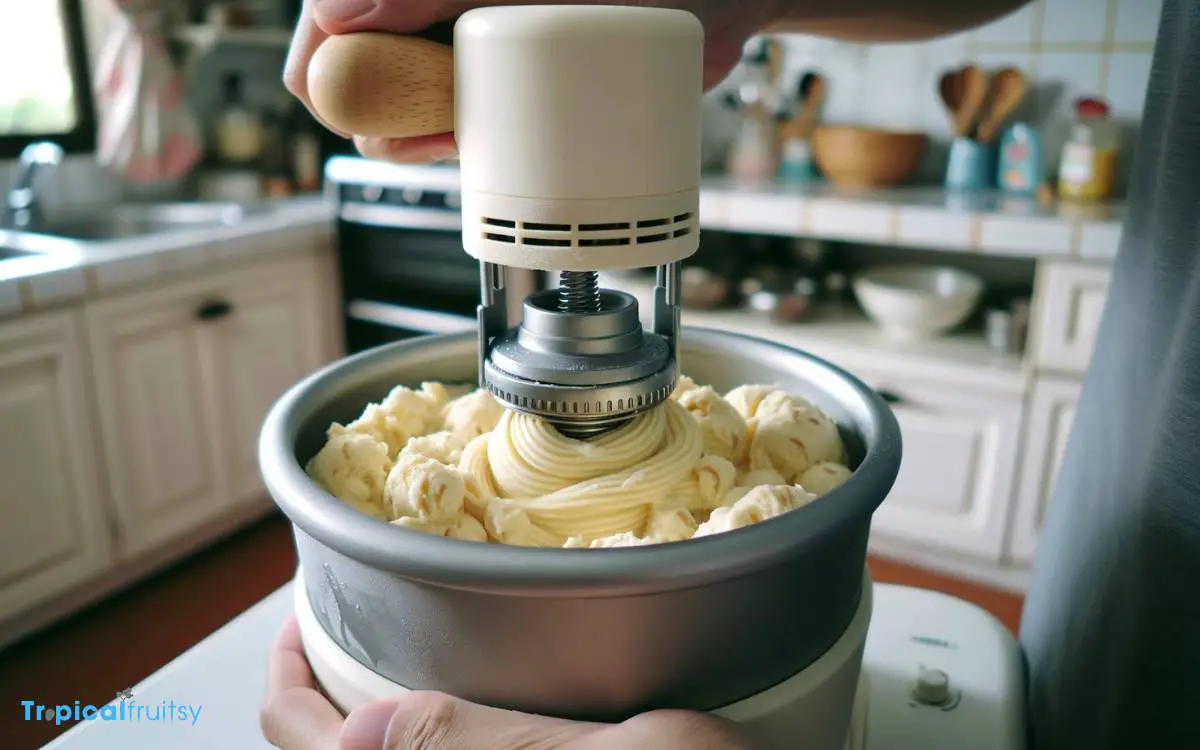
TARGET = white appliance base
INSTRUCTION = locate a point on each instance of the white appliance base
(915, 670)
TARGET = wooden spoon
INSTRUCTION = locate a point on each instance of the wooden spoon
(383, 85)
(1007, 91)
(951, 89)
(974, 93)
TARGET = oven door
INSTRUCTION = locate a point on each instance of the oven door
(370, 323)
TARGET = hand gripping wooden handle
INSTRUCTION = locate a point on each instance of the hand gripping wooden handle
(383, 85)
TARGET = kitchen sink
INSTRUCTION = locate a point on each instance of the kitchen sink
(137, 220)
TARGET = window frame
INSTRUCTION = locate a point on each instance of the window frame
(82, 138)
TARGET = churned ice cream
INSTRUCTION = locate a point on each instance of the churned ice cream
(457, 464)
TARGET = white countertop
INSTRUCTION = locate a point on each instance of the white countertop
(62, 270)
(224, 675)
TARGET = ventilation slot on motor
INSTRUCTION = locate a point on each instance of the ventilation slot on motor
(604, 227)
(500, 223)
(681, 232)
(682, 217)
(499, 237)
(545, 242)
(646, 239)
(606, 242)
(648, 223)
(534, 227)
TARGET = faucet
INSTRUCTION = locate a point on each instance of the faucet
(21, 209)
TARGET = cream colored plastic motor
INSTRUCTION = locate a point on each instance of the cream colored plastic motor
(578, 130)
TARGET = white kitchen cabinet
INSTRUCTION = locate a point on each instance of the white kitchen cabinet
(955, 486)
(184, 374)
(1071, 301)
(271, 338)
(52, 531)
(1049, 418)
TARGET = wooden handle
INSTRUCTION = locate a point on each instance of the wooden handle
(383, 85)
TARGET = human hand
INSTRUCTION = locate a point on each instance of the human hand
(295, 716)
(727, 27)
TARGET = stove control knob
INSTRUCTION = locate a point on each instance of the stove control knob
(932, 688)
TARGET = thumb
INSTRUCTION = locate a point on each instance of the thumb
(393, 16)
(435, 721)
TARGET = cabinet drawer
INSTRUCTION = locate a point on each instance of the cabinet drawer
(956, 477)
(1047, 425)
(1072, 300)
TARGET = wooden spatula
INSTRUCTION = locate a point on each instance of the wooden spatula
(974, 89)
(1007, 91)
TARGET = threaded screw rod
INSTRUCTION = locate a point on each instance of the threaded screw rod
(579, 291)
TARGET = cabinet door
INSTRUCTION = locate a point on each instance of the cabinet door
(956, 477)
(1071, 301)
(1049, 419)
(52, 530)
(156, 413)
(273, 335)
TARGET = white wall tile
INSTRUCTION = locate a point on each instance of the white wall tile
(1137, 21)
(1015, 28)
(1064, 77)
(1074, 21)
(1128, 76)
(896, 81)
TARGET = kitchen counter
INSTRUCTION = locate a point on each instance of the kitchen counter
(224, 675)
(64, 270)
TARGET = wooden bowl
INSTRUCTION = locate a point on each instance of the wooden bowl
(855, 157)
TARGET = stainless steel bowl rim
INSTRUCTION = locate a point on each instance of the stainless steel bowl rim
(525, 571)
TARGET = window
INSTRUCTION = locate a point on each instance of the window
(45, 88)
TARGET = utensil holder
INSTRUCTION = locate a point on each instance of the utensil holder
(972, 165)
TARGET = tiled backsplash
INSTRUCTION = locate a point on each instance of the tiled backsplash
(1065, 48)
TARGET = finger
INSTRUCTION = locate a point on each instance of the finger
(366, 727)
(305, 41)
(394, 16)
(435, 721)
(294, 715)
(427, 148)
(659, 729)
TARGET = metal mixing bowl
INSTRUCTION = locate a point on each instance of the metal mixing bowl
(583, 633)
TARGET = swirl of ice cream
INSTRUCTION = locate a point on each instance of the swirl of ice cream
(592, 489)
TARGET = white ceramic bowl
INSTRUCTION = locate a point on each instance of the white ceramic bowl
(915, 302)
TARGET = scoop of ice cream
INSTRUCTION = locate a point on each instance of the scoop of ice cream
(427, 490)
(472, 415)
(757, 505)
(723, 428)
(670, 525)
(404, 413)
(684, 385)
(445, 447)
(760, 476)
(824, 477)
(512, 525)
(707, 484)
(790, 445)
(781, 405)
(624, 539)
(746, 398)
(465, 528)
(353, 467)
